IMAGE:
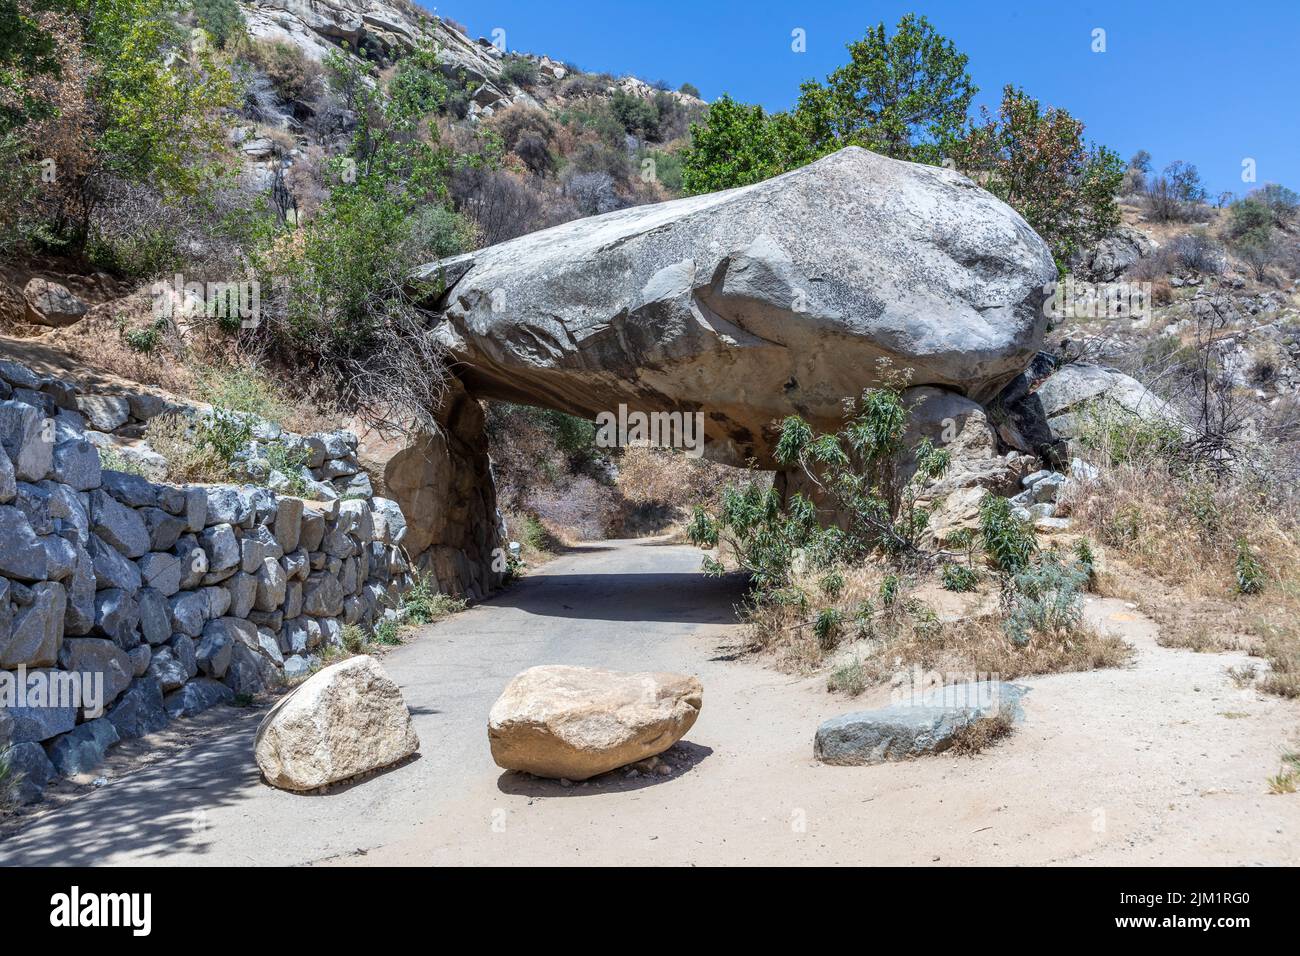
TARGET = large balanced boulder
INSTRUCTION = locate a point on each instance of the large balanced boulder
(930, 723)
(347, 719)
(576, 722)
(754, 303)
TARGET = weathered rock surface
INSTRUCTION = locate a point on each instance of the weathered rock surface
(927, 725)
(30, 767)
(1113, 255)
(576, 722)
(1069, 390)
(345, 720)
(49, 303)
(755, 303)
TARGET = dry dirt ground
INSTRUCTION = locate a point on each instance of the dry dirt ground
(1163, 762)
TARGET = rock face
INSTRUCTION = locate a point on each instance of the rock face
(576, 722)
(1069, 390)
(1112, 255)
(49, 303)
(927, 725)
(347, 719)
(755, 303)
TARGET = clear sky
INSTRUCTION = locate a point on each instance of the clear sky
(1212, 83)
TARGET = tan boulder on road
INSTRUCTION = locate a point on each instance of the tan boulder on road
(347, 719)
(576, 722)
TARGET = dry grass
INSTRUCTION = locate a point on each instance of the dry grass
(980, 735)
(875, 640)
(1180, 540)
(187, 460)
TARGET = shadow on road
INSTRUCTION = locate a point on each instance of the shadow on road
(157, 811)
(683, 756)
(686, 597)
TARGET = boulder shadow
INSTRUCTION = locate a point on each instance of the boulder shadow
(682, 757)
(343, 786)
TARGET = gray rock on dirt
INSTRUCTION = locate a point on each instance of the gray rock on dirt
(928, 725)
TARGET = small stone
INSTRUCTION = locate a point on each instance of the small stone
(930, 724)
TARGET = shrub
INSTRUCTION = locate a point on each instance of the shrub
(241, 389)
(1248, 215)
(690, 89)
(1006, 539)
(1045, 600)
(1250, 574)
(1198, 252)
(1176, 194)
(1120, 436)
(206, 449)
(520, 72)
(738, 144)
(1036, 161)
(423, 604)
(1280, 201)
(289, 461)
(856, 473)
(223, 20)
(294, 76)
(637, 116)
(827, 627)
(959, 577)
(114, 460)
(1260, 250)
(850, 678)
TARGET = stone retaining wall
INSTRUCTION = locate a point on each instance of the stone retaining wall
(174, 597)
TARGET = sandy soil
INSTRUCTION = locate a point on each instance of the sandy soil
(1162, 762)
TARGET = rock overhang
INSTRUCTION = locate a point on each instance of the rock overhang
(754, 303)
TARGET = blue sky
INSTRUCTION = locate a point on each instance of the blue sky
(1207, 82)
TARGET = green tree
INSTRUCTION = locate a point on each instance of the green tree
(1037, 161)
(385, 213)
(905, 95)
(223, 20)
(27, 52)
(738, 144)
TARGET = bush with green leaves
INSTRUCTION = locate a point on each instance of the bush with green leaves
(636, 115)
(828, 626)
(738, 144)
(222, 19)
(521, 72)
(1037, 161)
(1250, 573)
(423, 603)
(1007, 539)
(1044, 599)
(959, 577)
(856, 478)
(1116, 433)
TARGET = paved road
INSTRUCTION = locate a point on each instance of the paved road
(1161, 762)
(625, 605)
